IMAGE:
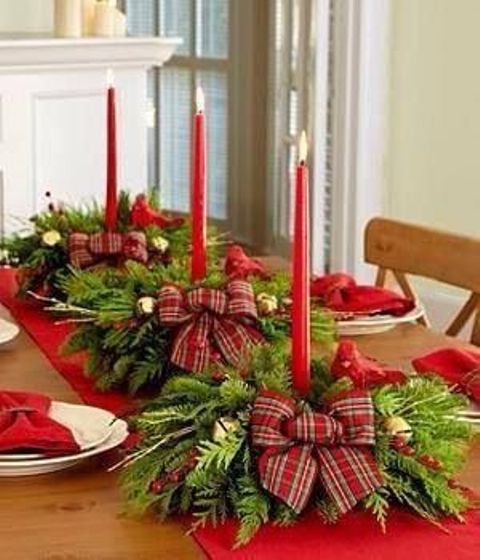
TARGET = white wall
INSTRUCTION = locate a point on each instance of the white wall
(433, 156)
(433, 165)
(30, 16)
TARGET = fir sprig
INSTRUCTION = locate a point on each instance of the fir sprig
(224, 480)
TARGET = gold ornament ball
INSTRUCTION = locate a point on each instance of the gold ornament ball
(146, 305)
(224, 425)
(160, 244)
(51, 238)
(396, 426)
(266, 304)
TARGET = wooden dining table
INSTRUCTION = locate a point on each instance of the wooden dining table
(77, 514)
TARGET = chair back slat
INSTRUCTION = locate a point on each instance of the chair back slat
(448, 258)
(445, 257)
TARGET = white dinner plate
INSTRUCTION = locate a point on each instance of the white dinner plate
(90, 426)
(53, 464)
(374, 324)
(8, 331)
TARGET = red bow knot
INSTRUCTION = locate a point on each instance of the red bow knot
(86, 250)
(211, 323)
(301, 449)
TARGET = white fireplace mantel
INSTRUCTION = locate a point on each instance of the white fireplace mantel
(33, 54)
(53, 118)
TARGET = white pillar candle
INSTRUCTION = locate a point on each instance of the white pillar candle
(105, 18)
(88, 17)
(68, 18)
(120, 24)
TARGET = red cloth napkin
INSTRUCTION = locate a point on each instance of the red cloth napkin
(24, 424)
(364, 372)
(341, 293)
(239, 265)
(456, 366)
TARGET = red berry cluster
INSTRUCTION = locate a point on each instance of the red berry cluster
(51, 205)
(177, 475)
(218, 375)
(130, 324)
(400, 445)
(430, 462)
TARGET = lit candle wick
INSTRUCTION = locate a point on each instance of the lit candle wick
(303, 147)
(110, 78)
(200, 100)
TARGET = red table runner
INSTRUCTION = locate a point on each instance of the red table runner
(356, 537)
(49, 338)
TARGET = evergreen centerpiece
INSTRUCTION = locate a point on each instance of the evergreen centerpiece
(236, 448)
(86, 238)
(141, 325)
(43, 256)
(268, 436)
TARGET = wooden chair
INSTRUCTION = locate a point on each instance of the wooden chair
(409, 249)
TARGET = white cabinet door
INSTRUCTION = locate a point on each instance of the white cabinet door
(53, 136)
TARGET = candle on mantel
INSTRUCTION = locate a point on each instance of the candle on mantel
(111, 200)
(68, 18)
(104, 18)
(199, 193)
(301, 275)
(88, 17)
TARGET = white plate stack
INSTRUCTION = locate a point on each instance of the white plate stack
(356, 324)
(94, 429)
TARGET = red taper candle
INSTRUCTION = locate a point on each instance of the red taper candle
(199, 193)
(301, 275)
(111, 200)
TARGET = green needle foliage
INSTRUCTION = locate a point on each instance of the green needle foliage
(43, 267)
(126, 348)
(222, 481)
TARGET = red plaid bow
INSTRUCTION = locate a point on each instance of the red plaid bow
(213, 324)
(87, 250)
(300, 449)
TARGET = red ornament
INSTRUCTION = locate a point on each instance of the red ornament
(143, 215)
(363, 371)
(239, 265)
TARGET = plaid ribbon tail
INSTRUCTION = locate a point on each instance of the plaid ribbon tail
(290, 476)
(192, 348)
(347, 474)
(233, 339)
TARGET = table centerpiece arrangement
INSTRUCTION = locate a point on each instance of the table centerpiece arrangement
(249, 426)
(277, 433)
(246, 424)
